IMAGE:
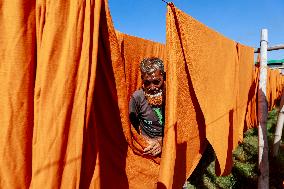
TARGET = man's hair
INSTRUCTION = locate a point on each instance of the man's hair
(150, 65)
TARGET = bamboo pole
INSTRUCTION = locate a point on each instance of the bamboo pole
(263, 164)
(279, 128)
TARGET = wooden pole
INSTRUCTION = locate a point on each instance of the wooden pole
(279, 128)
(275, 47)
(263, 164)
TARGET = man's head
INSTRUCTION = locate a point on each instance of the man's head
(153, 75)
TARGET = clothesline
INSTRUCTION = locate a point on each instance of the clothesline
(165, 1)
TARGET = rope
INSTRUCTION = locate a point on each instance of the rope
(165, 2)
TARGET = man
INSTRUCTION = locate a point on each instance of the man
(146, 106)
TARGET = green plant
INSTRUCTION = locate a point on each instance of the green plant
(244, 172)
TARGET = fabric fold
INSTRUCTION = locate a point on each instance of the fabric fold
(67, 35)
(182, 112)
(17, 73)
(66, 78)
(212, 62)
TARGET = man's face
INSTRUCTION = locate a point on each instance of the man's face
(153, 83)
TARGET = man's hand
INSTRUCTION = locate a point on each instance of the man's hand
(154, 148)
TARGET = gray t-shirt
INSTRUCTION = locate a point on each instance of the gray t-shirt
(150, 119)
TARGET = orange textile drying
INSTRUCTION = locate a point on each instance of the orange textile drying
(184, 140)
(17, 65)
(141, 172)
(68, 128)
(66, 78)
(251, 119)
(273, 84)
(181, 143)
(133, 51)
(245, 78)
(211, 64)
(278, 86)
(268, 88)
(272, 87)
(47, 138)
(81, 102)
(64, 122)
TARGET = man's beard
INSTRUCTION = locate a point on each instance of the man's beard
(155, 99)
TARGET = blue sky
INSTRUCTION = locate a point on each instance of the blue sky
(239, 20)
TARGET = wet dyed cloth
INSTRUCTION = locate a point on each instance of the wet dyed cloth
(66, 79)
(212, 72)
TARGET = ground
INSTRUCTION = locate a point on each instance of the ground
(245, 172)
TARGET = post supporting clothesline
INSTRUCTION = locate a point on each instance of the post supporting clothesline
(279, 128)
(263, 164)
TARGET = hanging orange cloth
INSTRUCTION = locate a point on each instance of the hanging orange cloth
(17, 73)
(133, 51)
(273, 81)
(65, 84)
(245, 82)
(211, 68)
(142, 172)
(81, 102)
(269, 88)
(67, 49)
(251, 119)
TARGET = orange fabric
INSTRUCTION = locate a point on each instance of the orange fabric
(66, 78)
(17, 65)
(273, 83)
(68, 133)
(142, 172)
(133, 51)
(251, 120)
(281, 101)
(270, 88)
(185, 128)
(274, 87)
(214, 66)
(245, 80)
(181, 143)
(67, 41)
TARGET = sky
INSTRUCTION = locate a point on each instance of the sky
(239, 20)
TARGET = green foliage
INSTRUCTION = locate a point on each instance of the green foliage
(244, 173)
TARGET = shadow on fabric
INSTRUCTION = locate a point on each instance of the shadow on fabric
(180, 164)
(229, 160)
(199, 114)
(252, 93)
(161, 186)
(105, 146)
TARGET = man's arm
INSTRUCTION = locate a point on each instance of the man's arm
(133, 114)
